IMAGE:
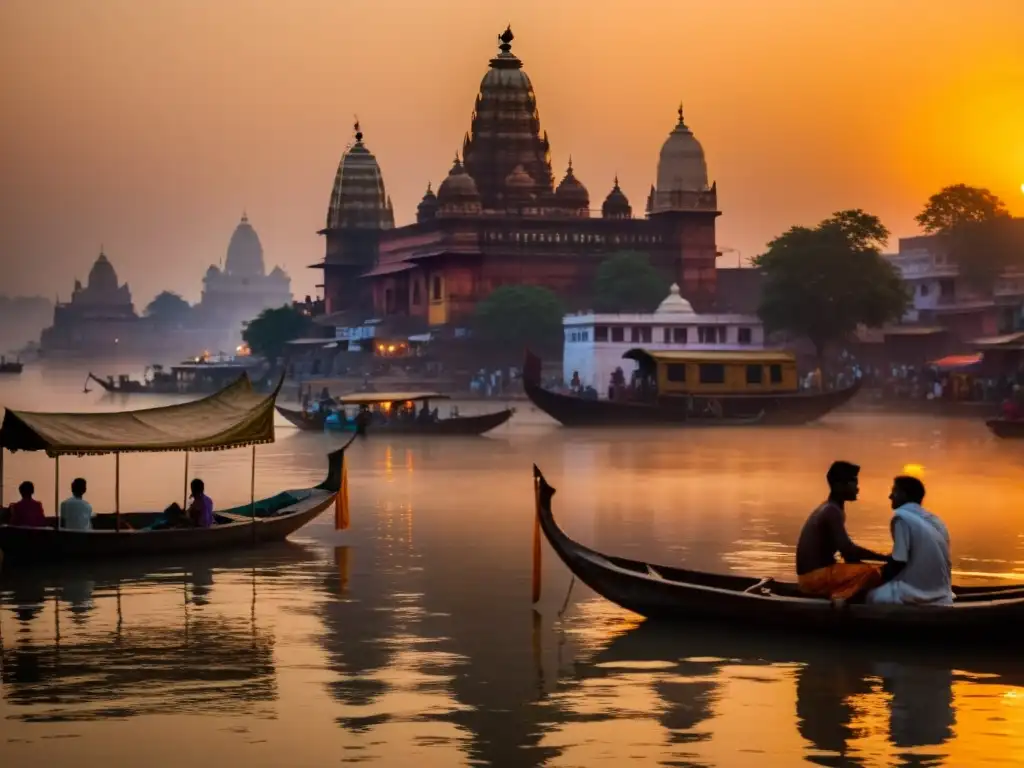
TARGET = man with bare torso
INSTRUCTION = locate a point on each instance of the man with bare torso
(824, 534)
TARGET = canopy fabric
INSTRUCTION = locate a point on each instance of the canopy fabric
(956, 362)
(235, 416)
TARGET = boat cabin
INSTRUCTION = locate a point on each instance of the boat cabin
(386, 407)
(717, 373)
(201, 376)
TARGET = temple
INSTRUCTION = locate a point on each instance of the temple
(241, 289)
(100, 318)
(499, 218)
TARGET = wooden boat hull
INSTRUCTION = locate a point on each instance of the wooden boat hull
(1006, 428)
(730, 410)
(665, 593)
(133, 387)
(312, 422)
(28, 545)
(461, 425)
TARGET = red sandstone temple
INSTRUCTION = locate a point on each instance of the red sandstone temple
(499, 219)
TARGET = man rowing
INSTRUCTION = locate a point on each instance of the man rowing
(920, 570)
(824, 534)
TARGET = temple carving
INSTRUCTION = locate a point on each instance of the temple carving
(500, 218)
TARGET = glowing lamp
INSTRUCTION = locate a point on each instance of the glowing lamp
(913, 470)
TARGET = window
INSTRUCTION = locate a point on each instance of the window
(634, 335)
(679, 335)
(744, 336)
(435, 289)
(645, 334)
(712, 373)
(676, 372)
(416, 292)
(618, 334)
(666, 336)
(707, 334)
(923, 290)
(600, 333)
(755, 374)
(775, 374)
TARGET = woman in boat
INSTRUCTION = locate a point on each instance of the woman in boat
(824, 534)
(27, 512)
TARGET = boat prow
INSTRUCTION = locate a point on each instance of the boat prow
(667, 593)
(1010, 429)
(310, 422)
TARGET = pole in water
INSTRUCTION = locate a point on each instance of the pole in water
(1, 478)
(184, 499)
(536, 541)
(252, 494)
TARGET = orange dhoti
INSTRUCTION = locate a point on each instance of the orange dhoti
(841, 581)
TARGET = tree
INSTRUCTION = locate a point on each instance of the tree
(822, 283)
(626, 282)
(272, 329)
(169, 309)
(976, 230)
(515, 317)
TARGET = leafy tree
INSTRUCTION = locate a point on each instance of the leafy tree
(822, 283)
(169, 309)
(626, 282)
(272, 329)
(515, 317)
(976, 230)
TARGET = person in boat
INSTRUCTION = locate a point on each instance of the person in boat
(75, 511)
(200, 511)
(362, 420)
(27, 511)
(920, 569)
(425, 416)
(824, 534)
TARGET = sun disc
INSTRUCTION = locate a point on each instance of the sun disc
(913, 470)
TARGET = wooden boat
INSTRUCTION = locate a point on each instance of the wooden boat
(671, 409)
(1006, 428)
(234, 417)
(664, 592)
(10, 366)
(393, 425)
(191, 377)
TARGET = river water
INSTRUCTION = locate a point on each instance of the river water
(411, 638)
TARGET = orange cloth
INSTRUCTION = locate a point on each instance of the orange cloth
(842, 580)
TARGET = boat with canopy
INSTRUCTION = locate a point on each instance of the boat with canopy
(394, 413)
(235, 417)
(664, 592)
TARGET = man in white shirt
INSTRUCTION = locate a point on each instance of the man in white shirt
(76, 512)
(919, 571)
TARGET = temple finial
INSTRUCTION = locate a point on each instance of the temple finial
(355, 126)
(506, 39)
(245, 216)
(680, 113)
(570, 164)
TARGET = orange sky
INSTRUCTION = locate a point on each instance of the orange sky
(148, 126)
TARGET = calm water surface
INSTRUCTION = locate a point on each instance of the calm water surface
(410, 638)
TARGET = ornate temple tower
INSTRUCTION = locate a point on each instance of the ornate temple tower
(505, 133)
(358, 212)
(685, 206)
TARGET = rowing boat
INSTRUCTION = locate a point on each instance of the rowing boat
(449, 426)
(234, 417)
(666, 593)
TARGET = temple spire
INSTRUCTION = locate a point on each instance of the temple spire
(357, 129)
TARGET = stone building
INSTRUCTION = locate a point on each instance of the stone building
(499, 218)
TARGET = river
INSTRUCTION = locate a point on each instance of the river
(411, 639)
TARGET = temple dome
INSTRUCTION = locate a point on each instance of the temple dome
(102, 277)
(519, 179)
(505, 130)
(571, 193)
(674, 304)
(616, 205)
(458, 192)
(245, 252)
(427, 209)
(358, 199)
(681, 164)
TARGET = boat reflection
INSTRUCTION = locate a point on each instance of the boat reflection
(131, 640)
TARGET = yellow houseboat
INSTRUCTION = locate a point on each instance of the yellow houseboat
(694, 388)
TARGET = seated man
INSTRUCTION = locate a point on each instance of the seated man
(919, 572)
(27, 512)
(75, 511)
(200, 511)
(824, 534)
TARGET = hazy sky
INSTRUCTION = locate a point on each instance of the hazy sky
(148, 125)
